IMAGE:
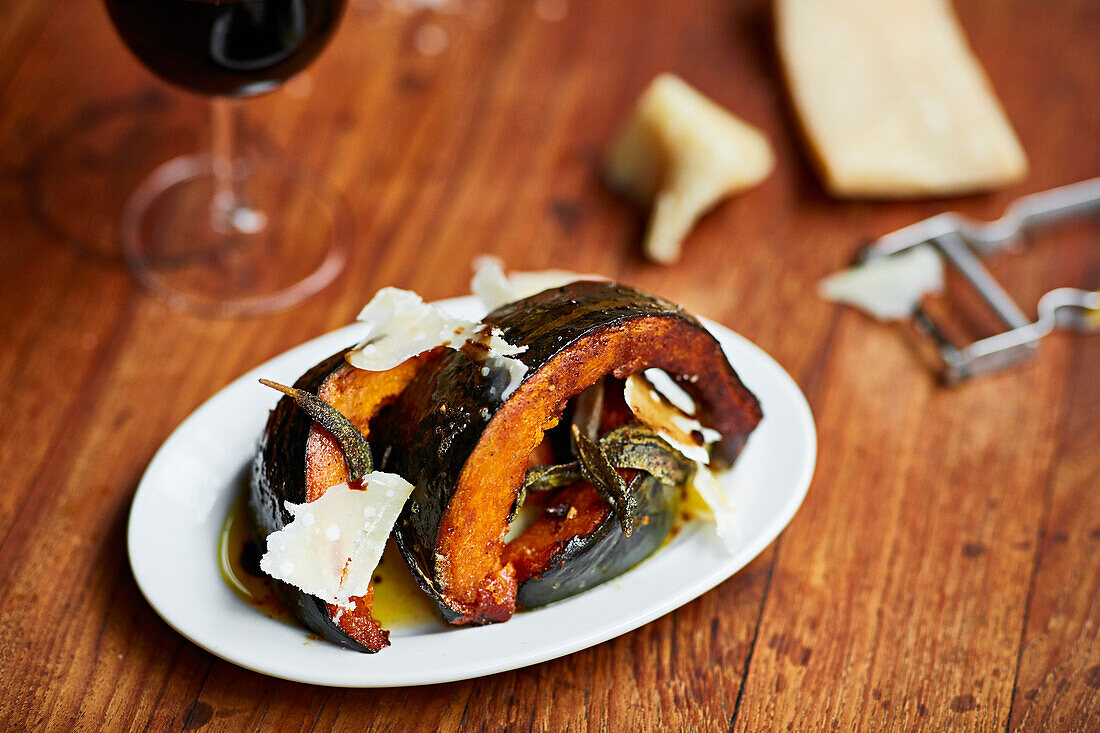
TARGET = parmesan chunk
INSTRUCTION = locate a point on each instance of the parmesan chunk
(683, 154)
(890, 288)
(332, 545)
(892, 100)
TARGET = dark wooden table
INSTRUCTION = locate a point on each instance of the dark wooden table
(944, 571)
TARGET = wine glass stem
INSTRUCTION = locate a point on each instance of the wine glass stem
(227, 200)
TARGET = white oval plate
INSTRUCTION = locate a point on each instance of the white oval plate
(192, 480)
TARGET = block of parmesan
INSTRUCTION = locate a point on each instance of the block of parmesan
(681, 153)
(892, 101)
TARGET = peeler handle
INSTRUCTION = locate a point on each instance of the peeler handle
(1026, 212)
(1032, 211)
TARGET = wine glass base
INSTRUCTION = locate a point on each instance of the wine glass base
(285, 239)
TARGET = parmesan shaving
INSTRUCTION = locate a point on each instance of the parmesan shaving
(707, 487)
(687, 435)
(889, 288)
(513, 371)
(401, 325)
(682, 431)
(493, 288)
(667, 388)
(332, 545)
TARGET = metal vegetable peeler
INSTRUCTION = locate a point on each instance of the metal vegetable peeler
(963, 241)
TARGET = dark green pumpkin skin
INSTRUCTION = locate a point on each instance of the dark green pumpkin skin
(606, 553)
(279, 476)
(437, 422)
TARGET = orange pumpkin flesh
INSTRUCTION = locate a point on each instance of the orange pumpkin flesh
(358, 395)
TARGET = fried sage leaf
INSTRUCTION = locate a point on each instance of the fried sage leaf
(634, 445)
(352, 442)
(545, 478)
(598, 471)
(637, 446)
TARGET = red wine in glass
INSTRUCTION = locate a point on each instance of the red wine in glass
(226, 47)
(227, 233)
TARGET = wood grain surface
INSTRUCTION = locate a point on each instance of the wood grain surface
(944, 571)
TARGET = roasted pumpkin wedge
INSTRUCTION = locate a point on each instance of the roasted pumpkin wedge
(299, 459)
(578, 543)
(461, 432)
(583, 538)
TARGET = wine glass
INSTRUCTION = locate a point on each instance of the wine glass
(225, 232)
